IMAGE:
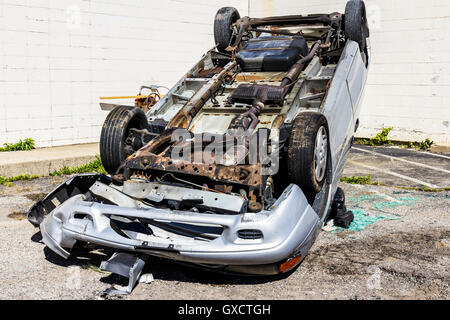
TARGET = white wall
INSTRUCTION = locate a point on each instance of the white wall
(57, 57)
(409, 82)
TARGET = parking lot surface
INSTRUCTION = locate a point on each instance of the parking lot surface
(398, 247)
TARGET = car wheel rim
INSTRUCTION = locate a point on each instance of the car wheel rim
(320, 154)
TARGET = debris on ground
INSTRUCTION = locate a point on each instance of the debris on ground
(126, 265)
(330, 227)
(343, 219)
(146, 278)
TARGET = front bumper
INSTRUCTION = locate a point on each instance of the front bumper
(288, 229)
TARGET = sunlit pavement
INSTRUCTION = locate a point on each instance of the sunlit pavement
(398, 246)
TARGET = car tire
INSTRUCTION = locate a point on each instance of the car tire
(308, 150)
(223, 21)
(115, 146)
(356, 27)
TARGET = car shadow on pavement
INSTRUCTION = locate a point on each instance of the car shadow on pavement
(172, 271)
(79, 257)
(88, 259)
(85, 257)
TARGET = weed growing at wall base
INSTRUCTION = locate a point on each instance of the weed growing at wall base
(426, 144)
(379, 140)
(22, 145)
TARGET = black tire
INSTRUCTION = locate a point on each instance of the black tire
(223, 21)
(301, 154)
(356, 27)
(114, 147)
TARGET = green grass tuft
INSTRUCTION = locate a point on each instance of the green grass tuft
(9, 181)
(22, 145)
(379, 140)
(93, 166)
(357, 180)
(425, 145)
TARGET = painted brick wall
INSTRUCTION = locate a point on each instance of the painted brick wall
(57, 57)
(409, 82)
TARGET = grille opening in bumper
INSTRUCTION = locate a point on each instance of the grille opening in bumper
(250, 234)
(130, 228)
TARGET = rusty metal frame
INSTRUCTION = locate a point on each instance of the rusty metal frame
(289, 20)
(154, 160)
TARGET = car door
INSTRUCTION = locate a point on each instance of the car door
(338, 107)
(356, 80)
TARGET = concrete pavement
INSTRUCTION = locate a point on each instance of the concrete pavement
(42, 161)
(397, 248)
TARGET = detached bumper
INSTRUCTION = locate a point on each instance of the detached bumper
(288, 229)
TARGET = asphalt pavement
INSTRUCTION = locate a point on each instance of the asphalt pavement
(398, 247)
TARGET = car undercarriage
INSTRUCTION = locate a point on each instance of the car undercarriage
(237, 166)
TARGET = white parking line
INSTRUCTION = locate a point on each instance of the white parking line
(437, 155)
(429, 185)
(403, 160)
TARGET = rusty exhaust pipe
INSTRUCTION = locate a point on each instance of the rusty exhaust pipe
(293, 74)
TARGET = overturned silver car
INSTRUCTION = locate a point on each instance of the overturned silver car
(237, 167)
